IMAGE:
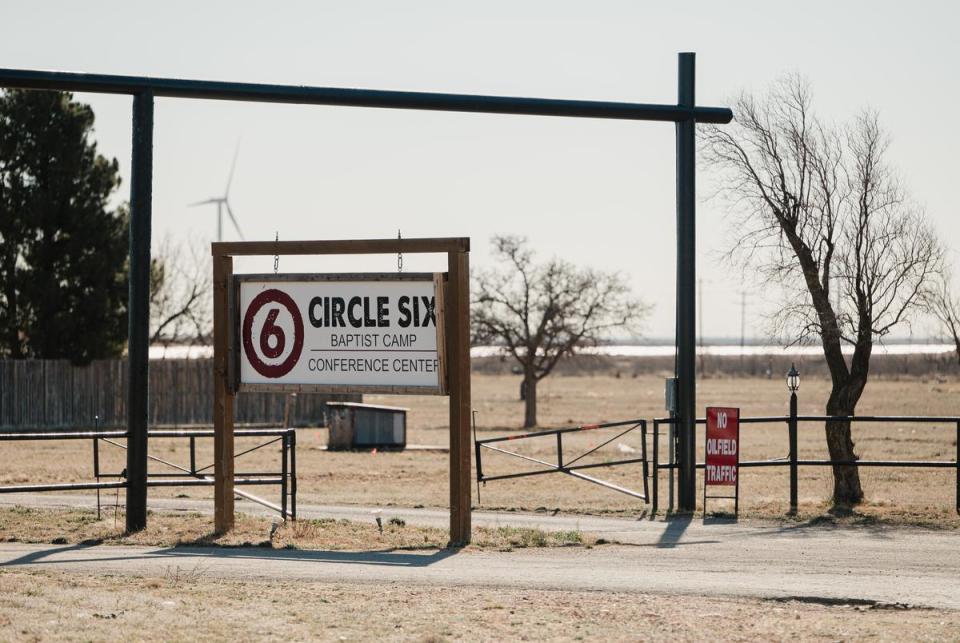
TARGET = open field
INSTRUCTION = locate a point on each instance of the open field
(184, 604)
(417, 478)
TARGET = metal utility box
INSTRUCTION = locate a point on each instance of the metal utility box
(366, 426)
(670, 394)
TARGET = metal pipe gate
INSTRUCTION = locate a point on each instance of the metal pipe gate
(569, 467)
(185, 476)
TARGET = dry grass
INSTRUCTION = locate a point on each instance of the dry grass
(186, 605)
(183, 604)
(414, 478)
(81, 526)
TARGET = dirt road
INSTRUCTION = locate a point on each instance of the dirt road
(819, 563)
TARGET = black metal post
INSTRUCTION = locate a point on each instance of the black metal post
(671, 459)
(96, 466)
(793, 452)
(646, 464)
(283, 476)
(686, 289)
(958, 467)
(193, 455)
(293, 474)
(479, 459)
(656, 465)
(138, 309)
(559, 450)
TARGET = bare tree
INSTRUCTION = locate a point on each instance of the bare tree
(539, 313)
(818, 211)
(946, 308)
(180, 287)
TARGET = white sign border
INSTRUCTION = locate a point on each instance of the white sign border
(439, 280)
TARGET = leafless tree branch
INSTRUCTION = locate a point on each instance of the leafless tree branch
(818, 210)
(180, 287)
(540, 313)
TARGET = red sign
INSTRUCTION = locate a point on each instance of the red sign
(723, 445)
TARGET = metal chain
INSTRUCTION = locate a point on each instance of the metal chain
(399, 255)
(276, 251)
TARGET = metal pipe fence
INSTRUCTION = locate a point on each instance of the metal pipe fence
(793, 461)
(183, 476)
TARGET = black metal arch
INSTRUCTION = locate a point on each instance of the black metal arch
(685, 113)
(348, 97)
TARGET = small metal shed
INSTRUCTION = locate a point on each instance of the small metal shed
(366, 426)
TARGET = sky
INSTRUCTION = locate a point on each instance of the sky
(597, 193)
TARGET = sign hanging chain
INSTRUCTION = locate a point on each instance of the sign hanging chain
(399, 255)
(276, 253)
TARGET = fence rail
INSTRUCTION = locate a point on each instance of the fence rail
(56, 395)
(792, 459)
(185, 475)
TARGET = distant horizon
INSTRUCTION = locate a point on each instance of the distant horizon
(724, 340)
(648, 349)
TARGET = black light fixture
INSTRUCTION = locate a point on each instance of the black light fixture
(793, 379)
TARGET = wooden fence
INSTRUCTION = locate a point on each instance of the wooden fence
(54, 394)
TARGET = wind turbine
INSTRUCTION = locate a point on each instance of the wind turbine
(223, 202)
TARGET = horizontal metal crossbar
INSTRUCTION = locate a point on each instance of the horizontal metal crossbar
(555, 469)
(348, 97)
(68, 435)
(62, 486)
(572, 429)
(165, 433)
(207, 433)
(918, 419)
(184, 472)
(934, 464)
(208, 482)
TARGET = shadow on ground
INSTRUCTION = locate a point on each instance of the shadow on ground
(386, 558)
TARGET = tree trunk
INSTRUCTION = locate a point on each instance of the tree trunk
(12, 331)
(846, 478)
(956, 343)
(530, 401)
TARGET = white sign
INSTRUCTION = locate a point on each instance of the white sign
(340, 331)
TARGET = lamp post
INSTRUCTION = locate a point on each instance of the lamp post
(793, 385)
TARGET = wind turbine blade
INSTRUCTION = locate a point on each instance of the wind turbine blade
(190, 205)
(234, 220)
(233, 166)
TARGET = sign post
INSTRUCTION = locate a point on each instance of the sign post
(393, 333)
(722, 462)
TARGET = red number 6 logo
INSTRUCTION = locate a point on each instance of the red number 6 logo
(270, 329)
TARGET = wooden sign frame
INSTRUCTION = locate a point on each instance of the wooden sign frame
(455, 360)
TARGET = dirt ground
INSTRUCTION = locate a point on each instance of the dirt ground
(173, 529)
(184, 605)
(419, 478)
